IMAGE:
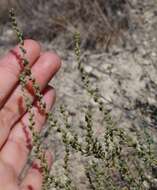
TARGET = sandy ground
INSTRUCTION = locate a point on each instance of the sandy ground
(127, 79)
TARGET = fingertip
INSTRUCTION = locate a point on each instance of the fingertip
(32, 45)
(53, 58)
(49, 96)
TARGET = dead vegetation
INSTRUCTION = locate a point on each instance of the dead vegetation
(100, 22)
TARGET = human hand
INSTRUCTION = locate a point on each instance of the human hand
(15, 137)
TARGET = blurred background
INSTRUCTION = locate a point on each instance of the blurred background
(101, 22)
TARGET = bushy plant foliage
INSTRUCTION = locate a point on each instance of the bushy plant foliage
(118, 161)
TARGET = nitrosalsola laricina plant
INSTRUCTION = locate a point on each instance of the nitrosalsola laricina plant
(132, 169)
(118, 162)
(26, 78)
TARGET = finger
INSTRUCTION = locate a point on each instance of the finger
(34, 177)
(10, 67)
(20, 140)
(46, 66)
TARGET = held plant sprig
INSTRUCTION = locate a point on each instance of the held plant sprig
(24, 79)
(26, 71)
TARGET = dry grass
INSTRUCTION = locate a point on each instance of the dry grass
(100, 22)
